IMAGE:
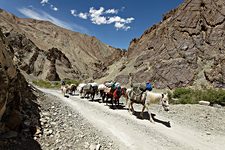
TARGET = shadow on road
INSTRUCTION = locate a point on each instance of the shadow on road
(95, 100)
(115, 107)
(146, 117)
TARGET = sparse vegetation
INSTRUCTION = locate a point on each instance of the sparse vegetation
(53, 84)
(192, 96)
(68, 81)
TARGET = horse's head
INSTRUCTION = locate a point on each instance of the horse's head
(165, 102)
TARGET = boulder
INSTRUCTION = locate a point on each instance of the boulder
(206, 103)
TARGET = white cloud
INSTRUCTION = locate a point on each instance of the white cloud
(96, 13)
(43, 2)
(80, 15)
(73, 12)
(54, 8)
(112, 11)
(99, 20)
(119, 25)
(97, 16)
(41, 15)
(83, 15)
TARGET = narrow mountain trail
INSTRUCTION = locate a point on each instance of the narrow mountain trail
(129, 132)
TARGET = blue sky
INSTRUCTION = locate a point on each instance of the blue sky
(114, 22)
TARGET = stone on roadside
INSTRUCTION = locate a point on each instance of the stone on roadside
(92, 147)
(98, 146)
(217, 106)
(206, 103)
(86, 145)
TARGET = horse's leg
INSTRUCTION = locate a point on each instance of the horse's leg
(103, 97)
(129, 105)
(142, 111)
(132, 107)
(93, 96)
(126, 98)
(150, 114)
(112, 100)
(106, 99)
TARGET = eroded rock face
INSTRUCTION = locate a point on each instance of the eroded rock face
(18, 113)
(51, 64)
(186, 48)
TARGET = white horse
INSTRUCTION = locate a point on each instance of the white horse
(101, 88)
(64, 89)
(80, 87)
(146, 100)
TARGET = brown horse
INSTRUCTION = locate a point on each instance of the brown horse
(72, 89)
(108, 94)
(117, 94)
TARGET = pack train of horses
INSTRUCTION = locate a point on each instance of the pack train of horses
(112, 92)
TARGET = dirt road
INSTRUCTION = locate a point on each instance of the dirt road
(129, 132)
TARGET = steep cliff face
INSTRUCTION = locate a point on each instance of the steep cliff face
(186, 48)
(19, 115)
(88, 57)
(50, 64)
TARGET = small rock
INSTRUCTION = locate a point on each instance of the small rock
(206, 103)
(217, 106)
(53, 107)
(53, 123)
(46, 114)
(86, 145)
(27, 122)
(185, 47)
(69, 115)
(43, 120)
(38, 131)
(49, 132)
(92, 147)
(81, 136)
(208, 133)
(98, 146)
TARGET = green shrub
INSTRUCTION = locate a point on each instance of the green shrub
(76, 82)
(179, 92)
(53, 84)
(42, 83)
(191, 96)
(47, 84)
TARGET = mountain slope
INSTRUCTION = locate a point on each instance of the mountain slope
(87, 55)
(19, 112)
(186, 48)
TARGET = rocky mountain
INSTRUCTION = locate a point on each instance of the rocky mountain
(186, 48)
(19, 113)
(47, 51)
